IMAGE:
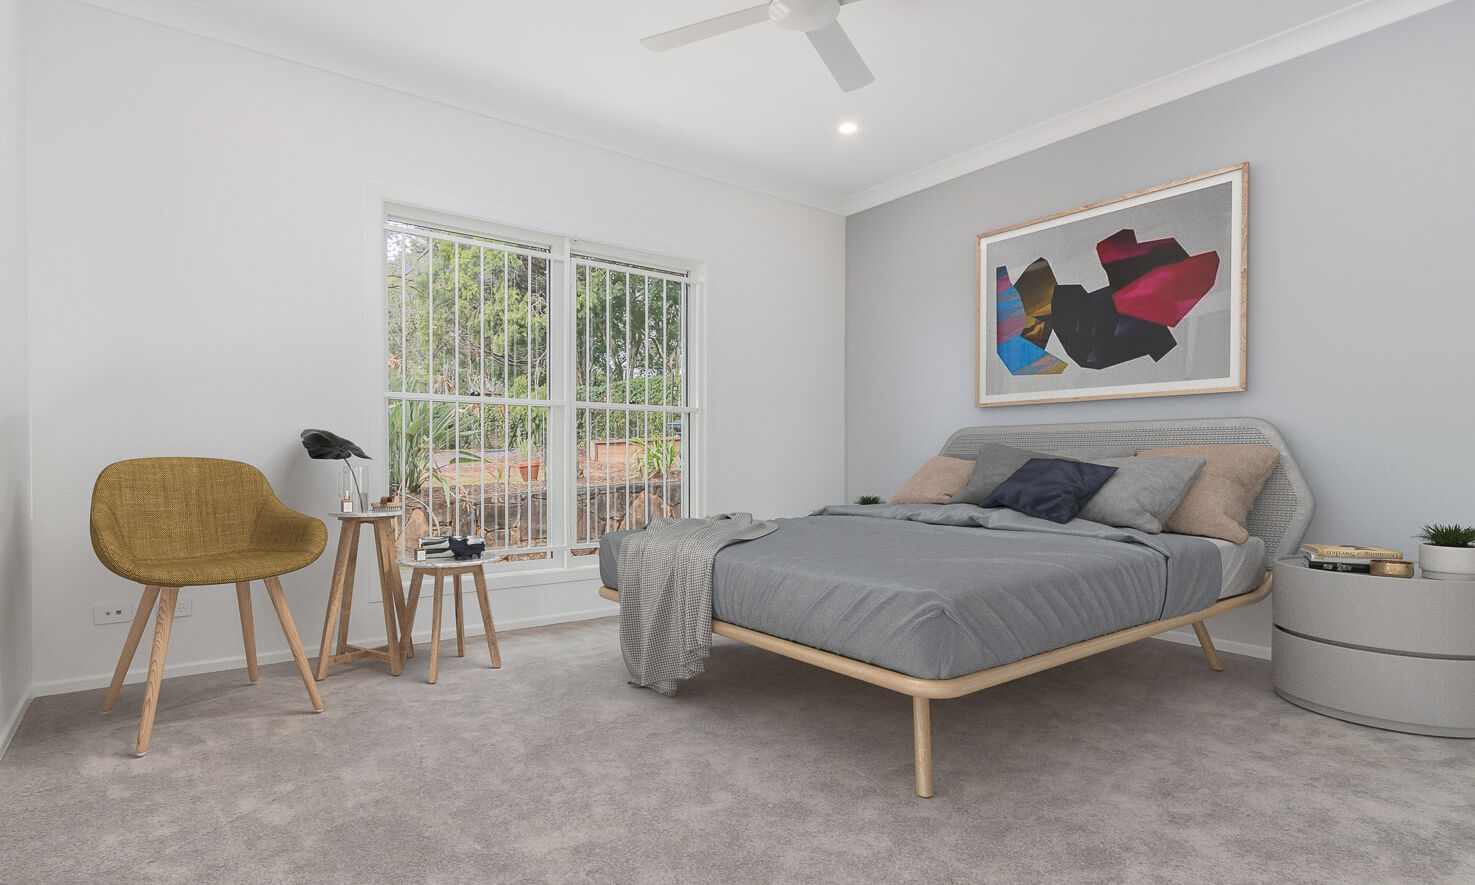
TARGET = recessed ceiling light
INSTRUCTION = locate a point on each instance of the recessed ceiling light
(849, 128)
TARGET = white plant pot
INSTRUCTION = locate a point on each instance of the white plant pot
(1447, 563)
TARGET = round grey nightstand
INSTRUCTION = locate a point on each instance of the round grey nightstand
(1395, 653)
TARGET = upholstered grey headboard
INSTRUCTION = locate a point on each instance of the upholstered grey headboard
(1281, 513)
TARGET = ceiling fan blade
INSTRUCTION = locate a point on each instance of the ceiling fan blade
(841, 57)
(709, 28)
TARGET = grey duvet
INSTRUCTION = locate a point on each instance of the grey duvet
(942, 590)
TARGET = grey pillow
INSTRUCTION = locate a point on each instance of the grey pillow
(995, 463)
(1143, 492)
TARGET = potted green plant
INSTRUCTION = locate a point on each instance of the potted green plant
(324, 445)
(868, 499)
(1445, 553)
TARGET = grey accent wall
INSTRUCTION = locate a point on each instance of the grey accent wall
(15, 455)
(1361, 295)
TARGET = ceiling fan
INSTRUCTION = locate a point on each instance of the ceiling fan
(816, 19)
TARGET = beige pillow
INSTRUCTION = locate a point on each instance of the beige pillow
(1219, 501)
(938, 480)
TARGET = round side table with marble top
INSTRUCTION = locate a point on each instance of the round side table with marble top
(438, 570)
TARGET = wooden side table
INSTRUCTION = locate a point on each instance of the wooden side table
(438, 570)
(340, 600)
(1394, 653)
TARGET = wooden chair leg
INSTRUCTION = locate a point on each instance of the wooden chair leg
(347, 607)
(412, 604)
(163, 621)
(922, 744)
(279, 602)
(342, 567)
(480, 580)
(460, 622)
(130, 645)
(248, 628)
(435, 630)
(388, 581)
(1208, 645)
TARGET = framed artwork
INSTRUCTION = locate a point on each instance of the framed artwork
(1141, 295)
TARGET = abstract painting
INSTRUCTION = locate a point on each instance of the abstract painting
(1141, 295)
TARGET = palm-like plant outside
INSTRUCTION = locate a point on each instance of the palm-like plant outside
(657, 457)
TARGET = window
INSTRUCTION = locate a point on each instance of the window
(538, 395)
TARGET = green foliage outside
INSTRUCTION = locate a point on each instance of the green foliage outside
(472, 320)
(446, 300)
(656, 457)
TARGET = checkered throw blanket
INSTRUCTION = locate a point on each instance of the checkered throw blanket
(666, 594)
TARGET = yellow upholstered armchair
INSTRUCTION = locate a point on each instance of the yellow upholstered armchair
(169, 523)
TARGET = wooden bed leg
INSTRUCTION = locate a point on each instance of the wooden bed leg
(1208, 644)
(922, 748)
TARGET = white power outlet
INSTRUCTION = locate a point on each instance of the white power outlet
(122, 612)
(112, 613)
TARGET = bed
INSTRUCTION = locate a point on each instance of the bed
(939, 601)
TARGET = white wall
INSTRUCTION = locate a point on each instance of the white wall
(201, 245)
(1360, 280)
(15, 456)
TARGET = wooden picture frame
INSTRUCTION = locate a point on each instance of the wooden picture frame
(1144, 294)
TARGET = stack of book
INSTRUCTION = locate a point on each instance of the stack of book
(1345, 558)
(435, 548)
(457, 547)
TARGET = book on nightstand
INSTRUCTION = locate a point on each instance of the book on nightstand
(1345, 558)
(1358, 568)
(1348, 551)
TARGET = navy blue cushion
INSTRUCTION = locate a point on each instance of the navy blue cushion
(1050, 488)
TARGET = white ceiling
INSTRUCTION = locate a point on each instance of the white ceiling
(959, 83)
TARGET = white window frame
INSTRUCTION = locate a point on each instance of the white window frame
(562, 253)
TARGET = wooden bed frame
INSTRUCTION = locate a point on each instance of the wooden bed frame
(1279, 518)
(924, 691)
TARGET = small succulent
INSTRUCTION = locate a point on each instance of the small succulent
(1441, 535)
(868, 499)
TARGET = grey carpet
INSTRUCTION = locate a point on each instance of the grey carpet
(1137, 765)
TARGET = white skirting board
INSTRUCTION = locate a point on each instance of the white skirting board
(140, 670)
(15, 720)
(230, 662)
(1248, 649)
